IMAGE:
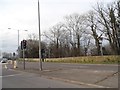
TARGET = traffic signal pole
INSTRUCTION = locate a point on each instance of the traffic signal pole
(24, 58)
(23, 47)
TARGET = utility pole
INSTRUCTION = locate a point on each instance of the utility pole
(18, 43)
(40, 61)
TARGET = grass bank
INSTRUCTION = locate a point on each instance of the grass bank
(83, 59)
(88, 60)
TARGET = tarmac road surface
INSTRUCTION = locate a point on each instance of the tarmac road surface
(17, 79)
(82, 75)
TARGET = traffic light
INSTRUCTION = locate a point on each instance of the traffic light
(42, 51)
(43, 54)
(13, 54)
(21, 45)
(24, 44)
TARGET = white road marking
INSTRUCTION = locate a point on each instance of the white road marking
(101, 64)
(74, 66)
(101, 71)
(10, 75)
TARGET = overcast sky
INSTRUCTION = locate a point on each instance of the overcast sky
(22, 15)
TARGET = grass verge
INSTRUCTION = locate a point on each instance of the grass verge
(83, 60)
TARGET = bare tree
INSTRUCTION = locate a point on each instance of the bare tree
(95, 30)
(75, 25)
(33, 36)
(118, 23)
(73, 37)
(107, 18)
(55, 36)
(86, 42)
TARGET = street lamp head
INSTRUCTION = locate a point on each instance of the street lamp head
(25, 30)
(9, 28)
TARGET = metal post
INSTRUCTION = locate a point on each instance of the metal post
(101, 39)
(40, 61)
(49, 53)
(24, 59)
(101, 50)
(18, 42)
(18, 47)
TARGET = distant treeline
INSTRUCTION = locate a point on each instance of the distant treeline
(94, 33)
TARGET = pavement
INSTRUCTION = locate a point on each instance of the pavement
(83, 75)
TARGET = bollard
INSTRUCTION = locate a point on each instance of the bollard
(15, 64)
(5, 66)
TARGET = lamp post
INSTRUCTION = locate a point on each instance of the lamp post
(18, 39)
(15, 62)
(18, 42)
(40, 61)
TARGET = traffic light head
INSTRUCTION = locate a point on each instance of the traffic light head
(24, 44)
(21, 45)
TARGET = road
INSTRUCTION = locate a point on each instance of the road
(61, 75)
(17, 79)
(55, 66)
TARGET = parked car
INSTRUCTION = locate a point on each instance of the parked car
(4, 60)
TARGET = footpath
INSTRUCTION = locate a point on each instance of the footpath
(80, 76)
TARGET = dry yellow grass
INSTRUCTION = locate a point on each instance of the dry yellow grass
(83, 59)
(87, 59)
